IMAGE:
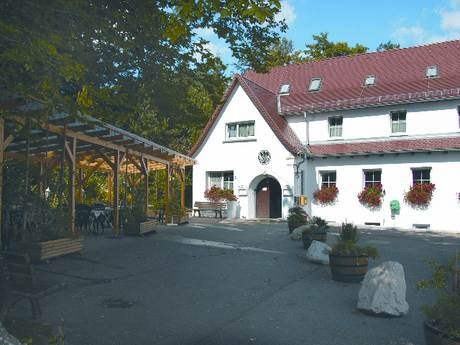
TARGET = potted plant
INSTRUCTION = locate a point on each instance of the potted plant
(347, 259)
(420, 194)
(371, 196)
(216, 194)
(326, 195)
(443, 318)
(316, 230)
(297, 216)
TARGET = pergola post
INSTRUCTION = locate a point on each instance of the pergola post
(2, 149)
(145, 171)
(167, 192)
(72, 154)
(116, 194)
(182, 188)
(110, 187)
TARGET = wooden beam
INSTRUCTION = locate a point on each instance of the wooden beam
(72, 152)
(7, 141)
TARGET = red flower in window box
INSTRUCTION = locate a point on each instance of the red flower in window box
(371, 196)
(217, 194)
(420, 194)
(326, 195)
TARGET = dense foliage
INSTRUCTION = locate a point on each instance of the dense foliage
(371, 196)
(420, 194)
(138, 64)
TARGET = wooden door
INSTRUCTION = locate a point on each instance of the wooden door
(263, 202)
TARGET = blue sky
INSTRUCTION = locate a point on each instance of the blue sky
(407, 22)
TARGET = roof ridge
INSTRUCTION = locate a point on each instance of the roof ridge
(359, 54)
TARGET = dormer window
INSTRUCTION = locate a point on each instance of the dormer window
(284, 89)
(315, 84)
(369, 80)
(432, 72)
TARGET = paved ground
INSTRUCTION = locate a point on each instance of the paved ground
(207, 283)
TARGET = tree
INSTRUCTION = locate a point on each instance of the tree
(323, 48)
(387, 46)
(283, 53)
(138, 64)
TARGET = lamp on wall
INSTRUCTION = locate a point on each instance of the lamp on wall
(287, 190)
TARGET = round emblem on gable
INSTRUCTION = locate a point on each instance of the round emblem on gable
(264, 157)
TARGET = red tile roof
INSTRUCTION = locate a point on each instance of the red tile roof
(386, 146)
(400, 78)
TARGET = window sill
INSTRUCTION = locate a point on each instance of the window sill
(335, 139)
(239, 140)
(402, 134)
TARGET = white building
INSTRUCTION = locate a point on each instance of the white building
(390, 117)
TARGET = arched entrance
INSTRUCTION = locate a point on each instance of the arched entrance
(268, 198)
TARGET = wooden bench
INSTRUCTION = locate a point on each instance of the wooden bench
(216, 207)
(19, 281)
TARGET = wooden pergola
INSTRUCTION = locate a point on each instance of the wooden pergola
(83, 142)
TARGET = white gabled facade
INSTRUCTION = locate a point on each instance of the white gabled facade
(218, 153)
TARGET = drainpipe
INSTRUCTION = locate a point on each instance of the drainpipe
(307, 129)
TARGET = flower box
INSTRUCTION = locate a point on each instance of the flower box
(40, 251)
(326, 195)
(420, 194)
(371, 196)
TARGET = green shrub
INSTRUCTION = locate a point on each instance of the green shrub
(348, 243)
(444, 314)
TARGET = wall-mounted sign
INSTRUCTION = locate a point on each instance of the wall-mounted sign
(242, 192)
(264, 157)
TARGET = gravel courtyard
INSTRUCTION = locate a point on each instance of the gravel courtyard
(216, 283)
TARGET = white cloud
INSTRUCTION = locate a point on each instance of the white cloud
(287, 13)
(448, 29)
(217, 49)
(406, 34)
(450, 20)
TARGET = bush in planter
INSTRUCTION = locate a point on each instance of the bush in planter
(348, 260)
(443, 324)
(420, 194)
(371, 196)
(326, 195)
(295, 220)
(316, 230)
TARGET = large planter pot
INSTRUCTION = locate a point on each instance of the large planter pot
(433, 336)
(348, 268)
(141, 229)
(307, 239)
(178, 220)
(39, 251)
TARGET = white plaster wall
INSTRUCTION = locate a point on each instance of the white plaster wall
(429, 118)
(442, 214)
(217, 155)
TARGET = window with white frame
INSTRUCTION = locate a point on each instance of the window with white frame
(372, 178)
(221, 179)
(421, 175)
(240, 130)
(328, 178)
(315, 84)
(398, 121)
(335, 126)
